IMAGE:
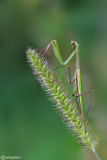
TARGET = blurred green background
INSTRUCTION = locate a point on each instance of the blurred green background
(29, 124)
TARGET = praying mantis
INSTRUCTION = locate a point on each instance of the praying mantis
(77, 74)
(77, 91)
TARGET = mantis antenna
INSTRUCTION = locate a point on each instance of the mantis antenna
(63, 26)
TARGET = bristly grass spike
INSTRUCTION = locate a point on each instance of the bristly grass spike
(64, 102)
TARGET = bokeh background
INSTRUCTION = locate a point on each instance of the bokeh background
(29, 124)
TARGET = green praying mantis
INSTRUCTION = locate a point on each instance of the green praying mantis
(77, 91)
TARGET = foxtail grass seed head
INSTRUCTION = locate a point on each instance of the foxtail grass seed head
(65, 105)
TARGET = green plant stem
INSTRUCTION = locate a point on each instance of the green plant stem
(97, 155)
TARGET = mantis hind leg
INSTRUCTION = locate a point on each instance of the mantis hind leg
(89, 105)
(92, 91)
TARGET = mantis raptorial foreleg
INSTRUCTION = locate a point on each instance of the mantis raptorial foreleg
(57, 53)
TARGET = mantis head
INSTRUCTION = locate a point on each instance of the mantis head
(73, 43)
